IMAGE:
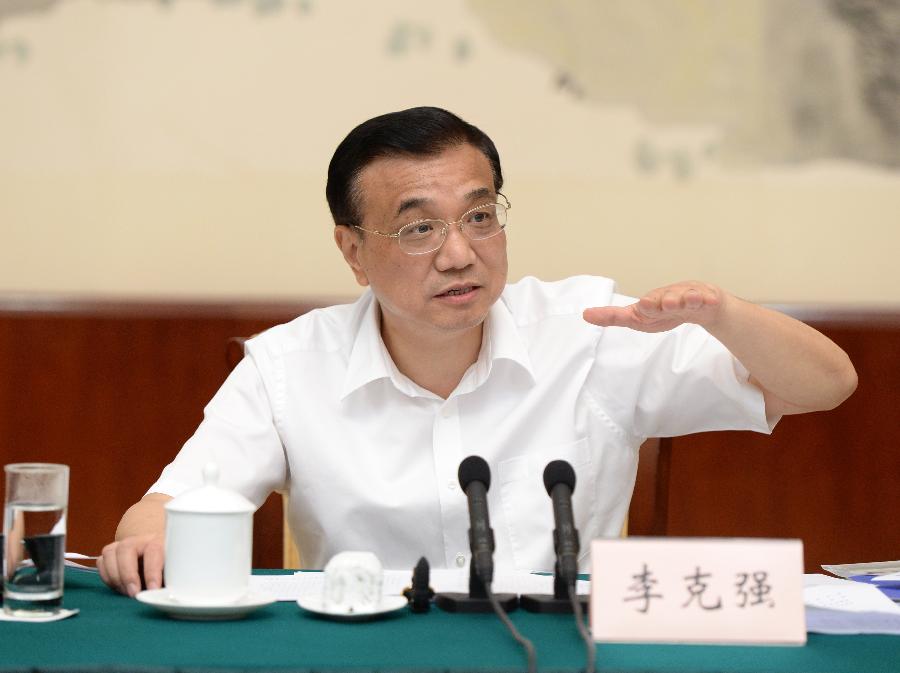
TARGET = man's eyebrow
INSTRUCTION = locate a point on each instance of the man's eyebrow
(416, 202)
(480, 193)
(409, 204)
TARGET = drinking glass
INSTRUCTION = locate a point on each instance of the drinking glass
(34, 529)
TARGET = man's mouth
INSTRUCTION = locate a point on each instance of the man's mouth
(457, 291)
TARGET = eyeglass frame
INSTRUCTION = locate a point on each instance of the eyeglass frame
(446, 228)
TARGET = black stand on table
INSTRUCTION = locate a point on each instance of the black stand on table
(476, 600)
(558, 603)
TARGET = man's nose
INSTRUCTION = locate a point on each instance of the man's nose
(456, 252)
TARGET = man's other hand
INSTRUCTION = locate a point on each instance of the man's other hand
(121, 563)
(664, 308)
(139, 548)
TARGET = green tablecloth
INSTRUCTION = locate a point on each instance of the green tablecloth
(115, 633)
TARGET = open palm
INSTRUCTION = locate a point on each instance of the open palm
(663, 309)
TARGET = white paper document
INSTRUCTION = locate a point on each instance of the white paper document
(311, 584)
(875, 568)
(815, 579)
(70, 560)
(841, 622)
(842, 607)
(849, 597)
(891, 577)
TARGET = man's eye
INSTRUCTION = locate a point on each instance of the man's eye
(417, 230)
(481, 217)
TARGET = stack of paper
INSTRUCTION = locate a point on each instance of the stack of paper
(311, 584)
(839, 606)
(851, 569)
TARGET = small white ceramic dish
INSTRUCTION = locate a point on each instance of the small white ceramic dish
(388, 605)
(162, 600)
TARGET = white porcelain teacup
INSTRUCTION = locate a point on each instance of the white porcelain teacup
(353, 583)
(209, 544)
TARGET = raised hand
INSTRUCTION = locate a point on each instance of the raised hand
(664, 308)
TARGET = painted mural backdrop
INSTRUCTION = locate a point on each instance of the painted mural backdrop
(143, 122)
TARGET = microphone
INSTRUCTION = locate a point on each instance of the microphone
(559, 480)
(475, 479)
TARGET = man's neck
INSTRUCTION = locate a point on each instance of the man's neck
(436, 364)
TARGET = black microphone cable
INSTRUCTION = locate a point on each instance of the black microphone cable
(590, 648)
(526, 644)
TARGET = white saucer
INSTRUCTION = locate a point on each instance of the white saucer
(388, 604)
(162, 600)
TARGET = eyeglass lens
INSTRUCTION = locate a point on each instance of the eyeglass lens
(477, 224)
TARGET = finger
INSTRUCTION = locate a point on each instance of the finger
(101, 569)
(693, 299)
(608, 316)
(110, 570)
(106, 567)
(127, 562)
(709, 293)
(154, 556)
(710, 296)
(649, 305)
(672, 300)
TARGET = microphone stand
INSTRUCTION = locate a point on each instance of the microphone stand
(559, 603)
(476, 600)
(475, 479)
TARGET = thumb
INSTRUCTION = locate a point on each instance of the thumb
(608, 316)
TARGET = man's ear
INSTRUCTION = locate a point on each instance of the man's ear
(349, 241)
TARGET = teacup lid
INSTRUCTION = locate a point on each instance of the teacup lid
(211, 498)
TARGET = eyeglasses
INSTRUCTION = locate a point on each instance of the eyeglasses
(424, 236)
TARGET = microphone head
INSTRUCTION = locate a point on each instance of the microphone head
(558, 472)
(474, 468)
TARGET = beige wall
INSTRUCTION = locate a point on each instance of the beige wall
(180, 149)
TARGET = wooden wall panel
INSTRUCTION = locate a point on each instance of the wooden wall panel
(114, 389)
(828, 478)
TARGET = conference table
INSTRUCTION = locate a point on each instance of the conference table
(114, 633)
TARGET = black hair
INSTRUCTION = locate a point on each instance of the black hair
(419, 131)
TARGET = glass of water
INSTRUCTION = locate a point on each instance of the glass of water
(34, 532)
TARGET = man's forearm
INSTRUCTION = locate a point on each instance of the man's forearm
(145, 517)
(800, 367)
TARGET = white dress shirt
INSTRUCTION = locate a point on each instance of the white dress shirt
(318, 409)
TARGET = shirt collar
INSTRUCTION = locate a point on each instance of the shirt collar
(501, 341)
(370, 361)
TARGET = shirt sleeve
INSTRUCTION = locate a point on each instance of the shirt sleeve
(673, 383)
(238, 433)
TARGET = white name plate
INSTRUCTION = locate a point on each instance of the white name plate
(697, 590)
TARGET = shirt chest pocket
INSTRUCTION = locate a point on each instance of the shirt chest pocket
(528, 510)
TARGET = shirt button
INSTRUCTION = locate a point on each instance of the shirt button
(446, 412)
(460, 560)
(451, 485)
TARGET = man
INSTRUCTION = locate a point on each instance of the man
(362, 413)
